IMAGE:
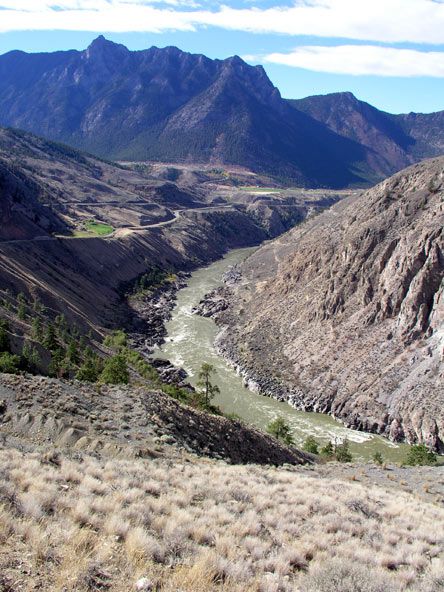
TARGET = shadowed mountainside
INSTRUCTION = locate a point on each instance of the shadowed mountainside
(48, 188)
(168, 105)
(392, 141)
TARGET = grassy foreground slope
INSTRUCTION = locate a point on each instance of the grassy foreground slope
(196, 525)
(113, 488)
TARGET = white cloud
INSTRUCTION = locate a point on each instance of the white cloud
(363, 60)
(420, 21)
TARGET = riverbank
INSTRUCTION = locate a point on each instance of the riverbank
(191, 339)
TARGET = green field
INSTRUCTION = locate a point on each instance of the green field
(260, 189)
(93, 228)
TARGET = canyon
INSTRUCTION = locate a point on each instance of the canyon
(344, 313)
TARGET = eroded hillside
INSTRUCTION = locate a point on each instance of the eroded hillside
(344, 314)
(52, 198)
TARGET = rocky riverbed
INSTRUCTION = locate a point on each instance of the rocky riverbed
(152, 308)
(216, 305)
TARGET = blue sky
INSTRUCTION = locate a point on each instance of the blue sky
(387, 52)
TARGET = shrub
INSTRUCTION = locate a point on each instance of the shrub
(9, 363)
(342, 452)
(337, 575)
(136, 360)
(419, 454)
(115, 371)
(280, 429)
(378, 458)
(310, 445)
(328, 450)
(90, 370)
(116, 340)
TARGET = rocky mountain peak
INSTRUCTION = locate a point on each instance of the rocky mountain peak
(103, 47)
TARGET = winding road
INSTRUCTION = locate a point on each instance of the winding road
(122, 231)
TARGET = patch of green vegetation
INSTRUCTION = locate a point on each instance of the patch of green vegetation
(328, 451)
(419, 454)
(91, 228)
(115, 370)
(259, 189)
(377, 458)
(150, 280)
(9, 363)
(340, 452)
(117, 339)
(98, 228)
(310, 445)
(137, 361)
(234, 417)
(91, 368)
(280, 429)
(4, 335)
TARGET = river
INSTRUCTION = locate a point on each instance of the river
(190, 343)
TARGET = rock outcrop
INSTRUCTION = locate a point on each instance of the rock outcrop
(345, 313)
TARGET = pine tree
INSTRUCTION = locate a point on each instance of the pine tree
(89, 371)
(56, 366)
(34, 359)
(115, 370)
(49, 337)
(36, 329)
(310, 445)
(204, 382)
(72, 353)
(4, 335)
(280, 429)
(26, 351)
(328, 450)
(342, 452)
(21, 311)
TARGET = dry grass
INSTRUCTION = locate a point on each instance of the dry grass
(204, 525)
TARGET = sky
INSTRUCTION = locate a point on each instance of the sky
(389, 53)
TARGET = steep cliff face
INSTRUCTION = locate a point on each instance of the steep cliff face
(345, 314)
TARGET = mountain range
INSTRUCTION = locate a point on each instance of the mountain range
(168, 105)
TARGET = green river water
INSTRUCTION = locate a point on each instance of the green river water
(190, 343)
